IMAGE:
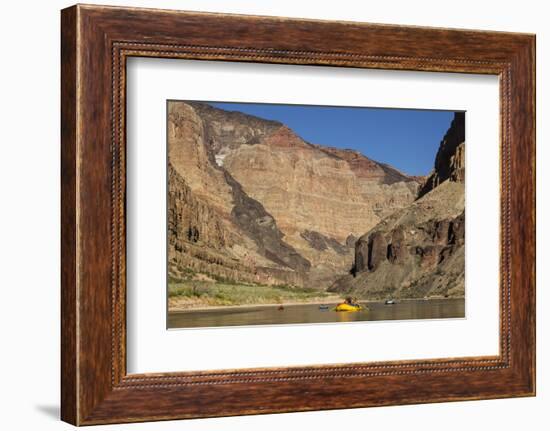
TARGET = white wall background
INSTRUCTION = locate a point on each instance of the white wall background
(29, 214)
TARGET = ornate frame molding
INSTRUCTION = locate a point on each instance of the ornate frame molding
(96, 41)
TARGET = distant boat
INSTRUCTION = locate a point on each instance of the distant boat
(280, 308)
(323, 307)
(390, 302)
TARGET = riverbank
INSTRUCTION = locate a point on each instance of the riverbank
(206, 295)
(329, 300)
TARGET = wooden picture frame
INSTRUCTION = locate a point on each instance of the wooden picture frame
(95, 43)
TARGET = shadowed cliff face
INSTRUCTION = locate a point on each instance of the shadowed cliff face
(418, 251)
(449, 161)
(261, 227)
(250, 200)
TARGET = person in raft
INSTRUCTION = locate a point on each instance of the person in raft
(351, 301)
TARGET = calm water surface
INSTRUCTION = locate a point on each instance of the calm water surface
(311, 313)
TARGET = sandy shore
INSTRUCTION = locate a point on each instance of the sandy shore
(326, 300)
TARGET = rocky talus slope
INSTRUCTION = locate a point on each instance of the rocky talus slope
(249, 200)
(418, 251)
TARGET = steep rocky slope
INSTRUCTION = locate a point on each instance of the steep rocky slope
(273, 207)
(449, 160)
(213, 226)
(418, 251)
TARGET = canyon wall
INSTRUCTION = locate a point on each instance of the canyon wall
(418, 251)
(250, 200)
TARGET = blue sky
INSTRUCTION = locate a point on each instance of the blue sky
(407, 139)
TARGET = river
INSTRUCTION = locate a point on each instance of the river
(312, 313)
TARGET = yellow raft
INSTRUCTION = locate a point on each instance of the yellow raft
(348, 307)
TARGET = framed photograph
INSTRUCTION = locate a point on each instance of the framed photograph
(265, 215)
(265, 227)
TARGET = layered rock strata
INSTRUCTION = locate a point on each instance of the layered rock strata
(251, 200)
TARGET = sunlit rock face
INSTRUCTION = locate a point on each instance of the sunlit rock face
(267, 205)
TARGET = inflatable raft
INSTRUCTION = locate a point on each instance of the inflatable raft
(348, 307)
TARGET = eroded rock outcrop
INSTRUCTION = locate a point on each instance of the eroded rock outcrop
(450, 157)
(418, 251)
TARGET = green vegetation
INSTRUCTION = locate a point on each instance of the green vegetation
(185, 293)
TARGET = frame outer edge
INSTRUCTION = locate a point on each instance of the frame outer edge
(87, 397)
(523, 217)
(533, 54)
(531, 80)
(69, 201)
